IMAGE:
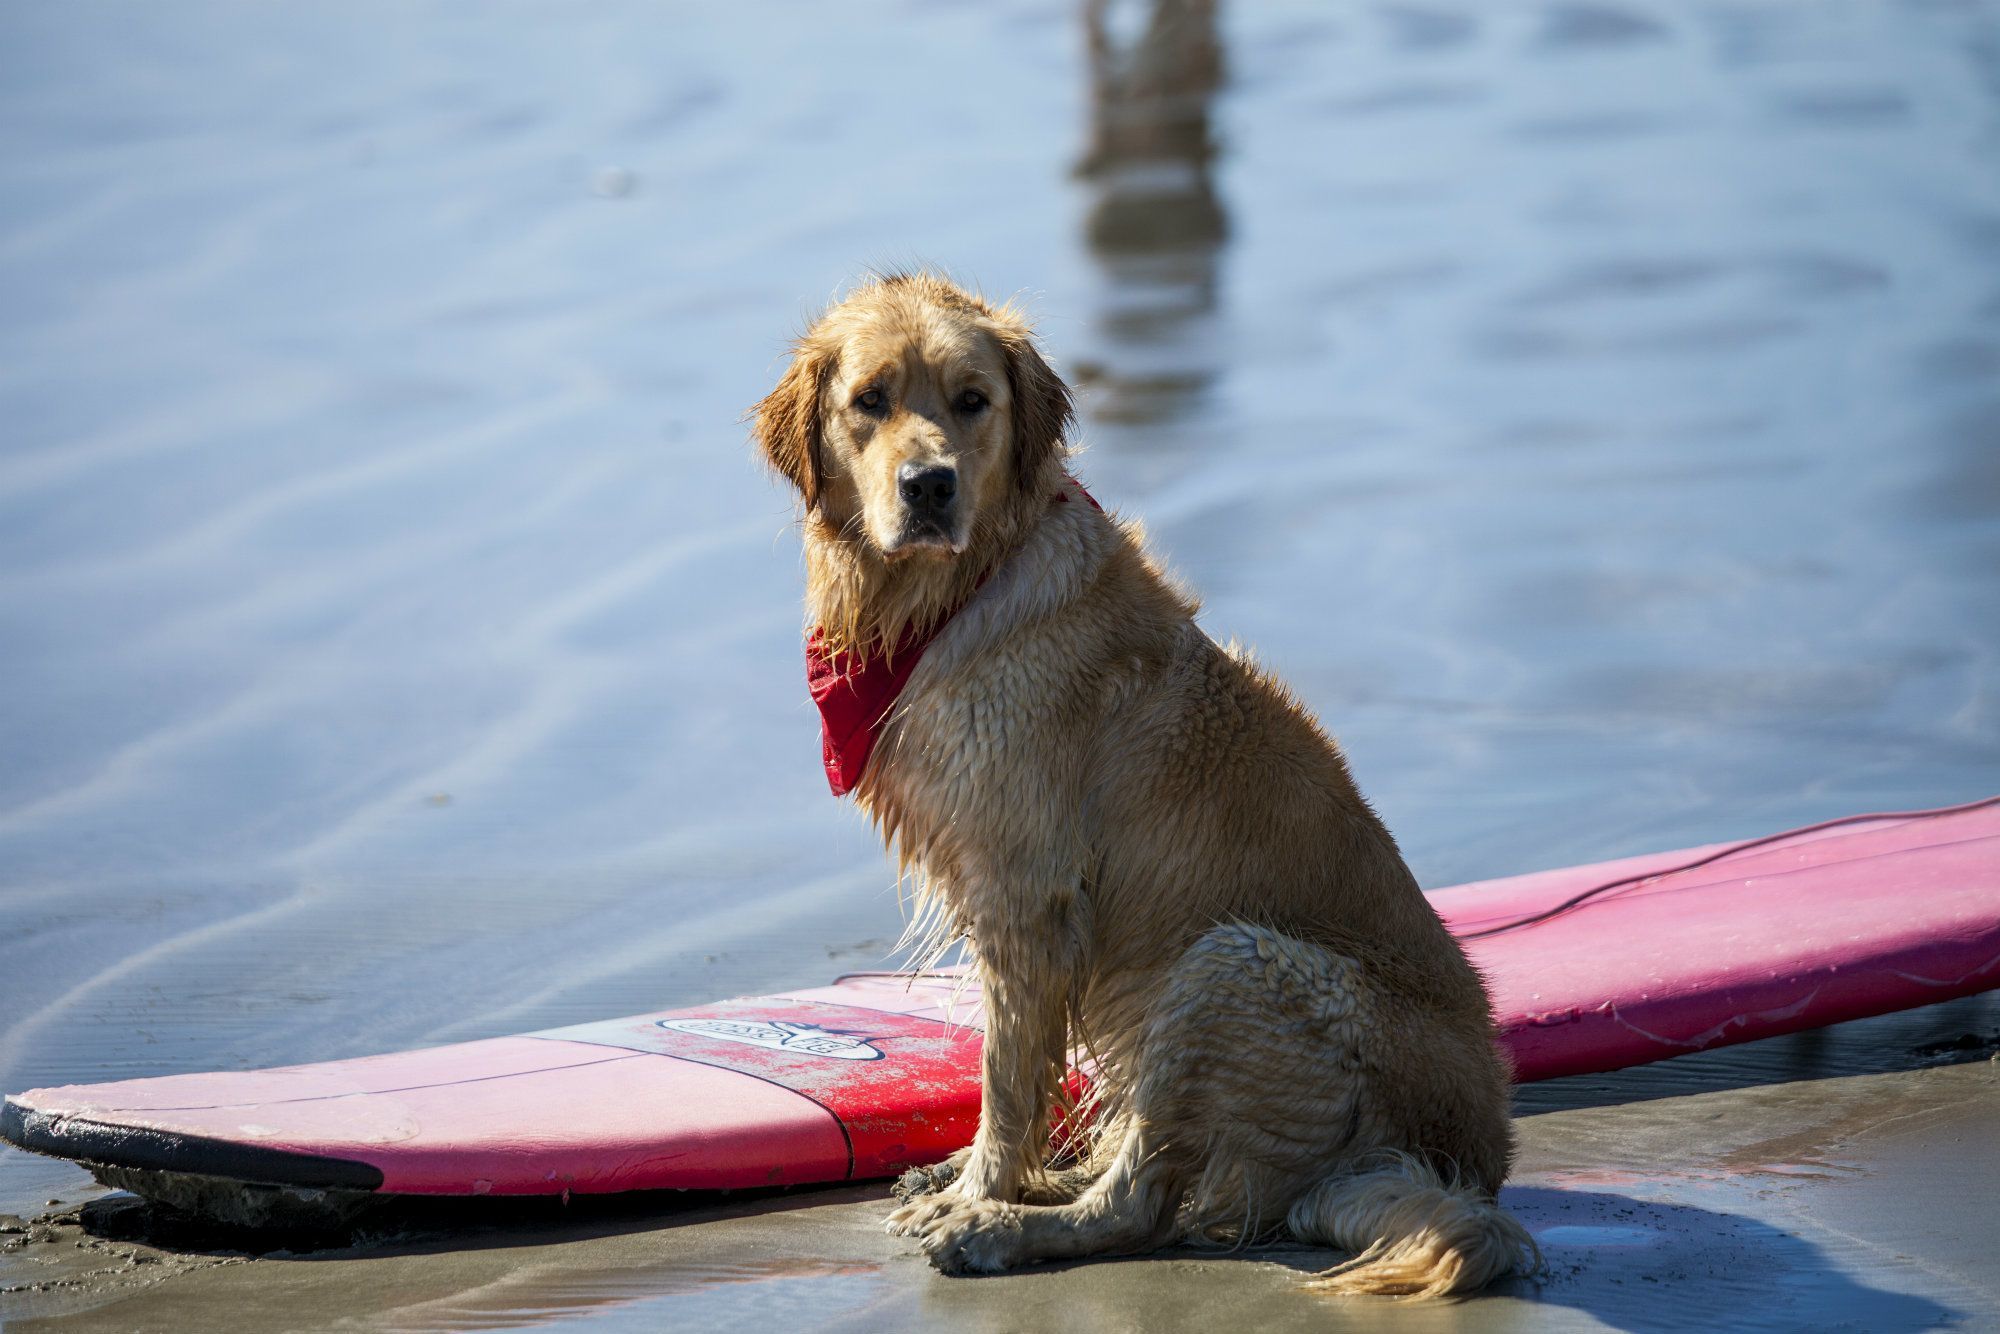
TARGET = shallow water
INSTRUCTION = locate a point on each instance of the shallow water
(1592, 409)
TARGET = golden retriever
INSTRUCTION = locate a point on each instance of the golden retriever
(1157, 860)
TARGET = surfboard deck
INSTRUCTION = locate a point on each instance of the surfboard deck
(1591, 968)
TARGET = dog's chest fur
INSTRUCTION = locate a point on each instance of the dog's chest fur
(981, 778)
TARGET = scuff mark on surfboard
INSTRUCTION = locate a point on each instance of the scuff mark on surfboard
(1708, 1037)
(1958, 981)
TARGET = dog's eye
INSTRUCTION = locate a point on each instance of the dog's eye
(869, 400)
(971, 401)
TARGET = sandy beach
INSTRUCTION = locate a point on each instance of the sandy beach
(400, 643)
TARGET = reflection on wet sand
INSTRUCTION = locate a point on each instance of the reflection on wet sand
(790, 1293)
(1155, 224)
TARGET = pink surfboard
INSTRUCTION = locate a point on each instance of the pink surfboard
(1591, 968)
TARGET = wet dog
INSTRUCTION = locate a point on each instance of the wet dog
(1158, 861)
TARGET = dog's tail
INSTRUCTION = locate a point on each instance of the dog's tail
(1415, 1233)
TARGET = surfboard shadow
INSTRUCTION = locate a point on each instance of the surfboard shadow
(351, 1223)
(1951, 1033)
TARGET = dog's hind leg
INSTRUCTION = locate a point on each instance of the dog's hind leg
(1061, 1187)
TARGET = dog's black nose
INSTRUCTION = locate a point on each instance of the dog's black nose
(927, 489)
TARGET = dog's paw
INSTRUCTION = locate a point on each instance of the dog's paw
(921, 1181)
(973, 1237)
(920, 1213)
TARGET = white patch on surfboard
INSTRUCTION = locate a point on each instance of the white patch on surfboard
(780, 1035)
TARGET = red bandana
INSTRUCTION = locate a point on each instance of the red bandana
(855, 693)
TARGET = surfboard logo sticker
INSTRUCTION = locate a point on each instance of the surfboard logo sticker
(780, 1035)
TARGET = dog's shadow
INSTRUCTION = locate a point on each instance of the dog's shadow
(1643, 1266)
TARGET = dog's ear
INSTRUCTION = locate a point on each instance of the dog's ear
(787, 425)
(1042, 409)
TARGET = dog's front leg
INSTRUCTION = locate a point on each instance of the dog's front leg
(1026, 977)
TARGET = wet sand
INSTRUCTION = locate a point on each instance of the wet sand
(400, 645)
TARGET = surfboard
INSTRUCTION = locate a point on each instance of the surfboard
(1591, 968)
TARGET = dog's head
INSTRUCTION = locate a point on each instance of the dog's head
(913, 415)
